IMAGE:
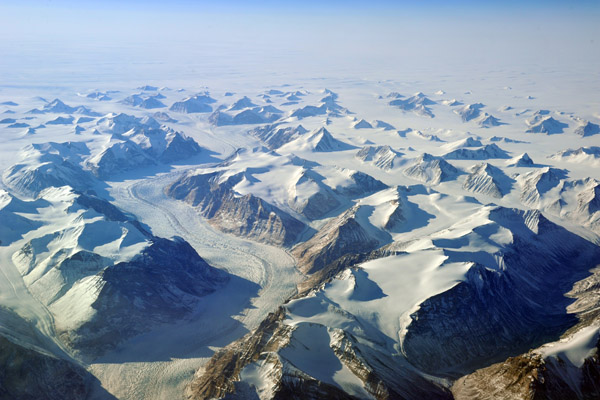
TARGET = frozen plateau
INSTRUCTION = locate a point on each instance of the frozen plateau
(318, 239)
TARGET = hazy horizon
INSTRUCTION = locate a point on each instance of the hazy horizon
(54, 41)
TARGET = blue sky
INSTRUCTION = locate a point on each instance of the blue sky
(333, 33)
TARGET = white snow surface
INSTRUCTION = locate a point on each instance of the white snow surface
(574, 349)
(384, 292)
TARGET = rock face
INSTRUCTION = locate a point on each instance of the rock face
(383, 157)
(162, 284)
(587, 129)
(484, 153)
(103, 277)
(121, 123)
(469, 112)
(316, 334)
(521, 377)
(383, 125)
(320, 140)
(47, 165)
(165, 144)
(247, 215)
(141, 147)
(434, 170)
(524, 300)
(589, 154)
(272, 347)
(588, 201)
(535, 184)
(487, 179)
(542, 122)
(522, 160)
(30, 374)
(242, 103)
(144, 101)
(61, 121)
(339, 236)
(535, 376)
(316, 205)
(118, 157)
(58, 107)
(274, 137)
(418, 103)
(256, 115)
(487, 121)
(199, 103)
(362, 124)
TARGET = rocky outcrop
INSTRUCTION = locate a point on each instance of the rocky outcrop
(121, 123)
(484, 153)
(49, 165)
(487, 179)
(383, 157)
(535, 184)
(141, 147)
(162, 284)
(144, 101)
(246, 215)
(587, 128)
(274, 136)
(256, 115)
(542, 122)
(271, 352)
(469, 111)
(431, 169)
(118, 157)
(493, 314)
(339, 236)
(315, 206)
(30, 374)
(522, 160)
(534, 376)
(199, 103)
(418, 103)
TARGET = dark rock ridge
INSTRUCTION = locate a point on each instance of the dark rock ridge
(246, 215)
(418, 103)
(531, 376)
(469, 112)
(58, 107)
(274, 136)
(496, 313)
(49, 165)
(256, 115)
(383, 157)
(323, 141)
(339, 236)
(28, 374)
(141, 147)
(535, 184)
(164, 283)
(484, 153)
(144, 101)
(362, 124)
(587, 129)
(487, 179)
(542, 122)
(199, 103)
(267, 346)
(576, 154)
(431, 169)
(522, 160)
(327, 199)
(121, 123)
